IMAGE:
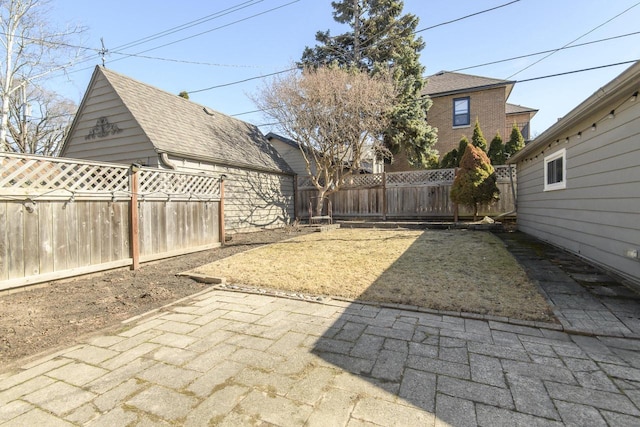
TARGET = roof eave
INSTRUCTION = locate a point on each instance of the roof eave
(471, 89)
(222, 162)
(628, 80)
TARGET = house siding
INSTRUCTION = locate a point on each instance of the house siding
(253, 200)
(597, 215)
(292, 156)
(130, 145)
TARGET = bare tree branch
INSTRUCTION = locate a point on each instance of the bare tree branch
(336, 115)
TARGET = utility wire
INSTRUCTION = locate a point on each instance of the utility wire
(465, 17)
(573, 41)
(545, 51)
(548, 76)
(415, 32)
(502, 60)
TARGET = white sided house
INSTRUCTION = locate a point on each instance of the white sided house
(579, 181)
(125, 121)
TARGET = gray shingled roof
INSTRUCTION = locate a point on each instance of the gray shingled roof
(180, 127)
(446, 82)
(514, 109)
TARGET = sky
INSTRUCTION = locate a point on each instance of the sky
(234, 40)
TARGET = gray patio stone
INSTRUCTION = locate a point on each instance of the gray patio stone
(625, 372)
(119, 375)
(490, 416)
(498, 351)
(475, 392)
(531, 397)
(91, 354)
(367, 346)
(128, 356)
(77, 373)
(216, 406)
(373, 410)
(454, 411)
(59, 398)
(596, 380)
(208, 381)
(26, 375)
(440, 367)
(115, 417)
(599, 399)
(164, 403)
(334, 409)
(26, 387)
(275, 409)
(37, 417)
(168, 375)
(486, 370)
(389, 365)
(619, 420)
(14, 409)
(109, 400)
(419, 389)
(543, 372)
(580, 415)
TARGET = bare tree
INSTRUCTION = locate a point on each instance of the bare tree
(40, 128)
(336, 115)
(31, 49)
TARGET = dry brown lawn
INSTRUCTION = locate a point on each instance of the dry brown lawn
(447, 270)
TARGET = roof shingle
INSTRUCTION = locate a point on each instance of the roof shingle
(178, 126)
(446, 82)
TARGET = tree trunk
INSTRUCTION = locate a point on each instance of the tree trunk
(475, 212)
(320, 204)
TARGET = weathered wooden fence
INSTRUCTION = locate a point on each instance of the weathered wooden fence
(63, 217)
(417, 195)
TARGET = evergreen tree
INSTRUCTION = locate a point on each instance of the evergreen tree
(496, 151)
(449, 160)
(478, 139)
(515, 143)
(452, 158)
(475, 182)
(382, 38)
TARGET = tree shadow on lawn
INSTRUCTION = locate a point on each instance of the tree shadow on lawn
(400, 352)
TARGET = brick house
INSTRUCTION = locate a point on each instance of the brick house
(458, 99)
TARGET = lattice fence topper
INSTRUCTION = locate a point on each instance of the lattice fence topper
(430, 176)
(158, 184)
(502, 172)
(363, 180)
(44, 177)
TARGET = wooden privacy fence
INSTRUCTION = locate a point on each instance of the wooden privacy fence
(419, 195)
(63, 217)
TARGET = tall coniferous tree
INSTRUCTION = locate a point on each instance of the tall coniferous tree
(381, 38)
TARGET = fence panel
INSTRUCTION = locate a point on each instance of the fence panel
(63, 217)
(422, 195)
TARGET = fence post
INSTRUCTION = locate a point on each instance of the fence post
(455, 205)
(134, 219)
(384, 196)
(295, 197)
(221, 210)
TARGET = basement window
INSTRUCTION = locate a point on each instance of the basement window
(461, 115)
(555, 171)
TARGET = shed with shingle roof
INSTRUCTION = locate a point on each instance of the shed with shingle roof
(126, 121)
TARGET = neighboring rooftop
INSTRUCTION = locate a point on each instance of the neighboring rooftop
(448, 83)
(515, 109)
(178, 126)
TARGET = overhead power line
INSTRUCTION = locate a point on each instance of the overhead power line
(415, 32)
(548, 76)
(573, 41)
(466, 16)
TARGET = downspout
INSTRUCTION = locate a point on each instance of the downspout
(164, 157)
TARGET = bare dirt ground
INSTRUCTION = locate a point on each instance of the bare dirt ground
(58, 314)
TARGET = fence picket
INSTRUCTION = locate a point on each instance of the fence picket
(60, 217)
(423, 195)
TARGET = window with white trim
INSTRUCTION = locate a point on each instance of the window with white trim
(555, 171)
(461, 114)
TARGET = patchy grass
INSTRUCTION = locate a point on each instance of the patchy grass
(447, 270)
